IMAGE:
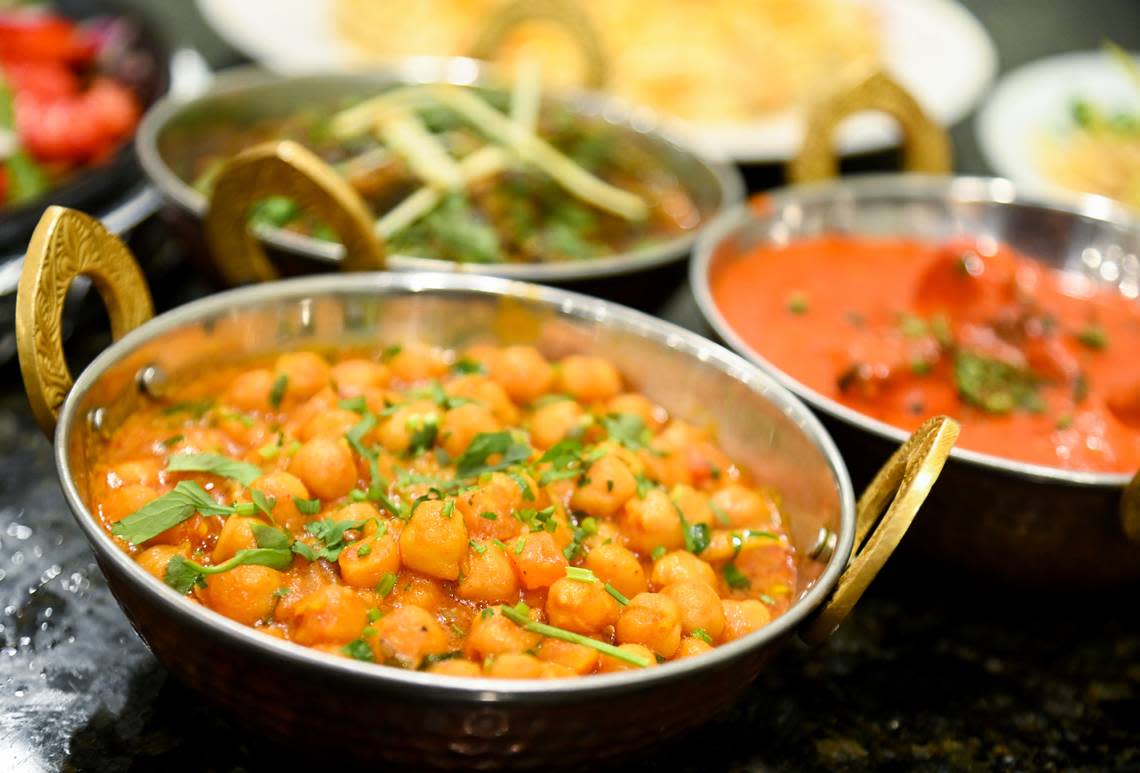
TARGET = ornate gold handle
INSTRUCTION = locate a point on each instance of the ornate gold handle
(904, 481)
(1130, 509)
(926, 146)
(566, 13)
(67, 244)
(284, 169)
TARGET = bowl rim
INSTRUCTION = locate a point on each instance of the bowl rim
(966, 188)
(705, 353)
(618, 113)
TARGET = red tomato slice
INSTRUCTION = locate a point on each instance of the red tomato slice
(30, 35)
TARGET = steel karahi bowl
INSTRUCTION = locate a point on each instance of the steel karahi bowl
(1018, 522)
(414, 718)
(249, 93)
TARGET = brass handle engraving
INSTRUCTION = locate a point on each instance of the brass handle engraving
(284, 169)
(67, 244)
(926, 146)
(904, 482)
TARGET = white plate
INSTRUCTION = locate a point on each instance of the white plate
(1035, 99)
(935, 48)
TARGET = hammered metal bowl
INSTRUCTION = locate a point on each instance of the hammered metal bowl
(248, 93)
(1020, 523)
(369, 712)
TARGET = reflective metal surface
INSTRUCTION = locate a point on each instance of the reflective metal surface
(284, 689)
(714, 185)
(1020, 522)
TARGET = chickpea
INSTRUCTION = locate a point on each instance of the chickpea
(486, 574)
(489, 510)
(619, 567)
(609, 485)
(416, 362)
(553, 421)
(640, 406)
(434, 543)
(460, 425)
(556, 671)
(666, 464)
(332, 424)
(608, 664)
(744, 507)
(195, 532)
(408, 634)
(743, 617)
(419, 591)
(306, 374)
(250, 390)
(765, 562)
(651, 522)
(579, 658)
(651, 619)
(693, 503)
(496, 635)
(516, 666)
(354, 377)
(396, 433)
(236, 534)
(326, 467)
(155, 560)
(699, 605)
(489, 393)
(681, 566)
(540, 562)
(523, 372)
(691, 646)
(584, 607)
(139, 472)
(125, 500)
(332, 614)
(364, 563)
(456, 667)
(588, 378)
(245, 593)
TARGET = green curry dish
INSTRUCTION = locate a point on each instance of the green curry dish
(995, 386)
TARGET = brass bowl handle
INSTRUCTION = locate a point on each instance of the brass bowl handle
(926, 146)
(67, 244)
(1130, 509)
(904, 481)
(284, 169)
(564, 12)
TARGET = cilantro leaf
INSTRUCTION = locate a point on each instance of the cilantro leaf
(358, 650)
(167, 511)
(473, 461)
(330, 534)
(182, 574)
(995, 386)
(307, 506)
(215, 464)
(735, 578)
(627, 429)
(277, 392)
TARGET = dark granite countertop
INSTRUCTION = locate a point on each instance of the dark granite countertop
(933, 671)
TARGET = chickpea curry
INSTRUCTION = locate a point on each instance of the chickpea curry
(483, 513)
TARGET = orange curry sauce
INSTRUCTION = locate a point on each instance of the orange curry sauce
(1038, 365)
(493, 514)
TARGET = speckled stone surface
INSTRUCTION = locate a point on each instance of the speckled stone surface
(931, 672)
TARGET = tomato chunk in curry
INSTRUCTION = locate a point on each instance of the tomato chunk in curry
(490, 514)
(1038, 365)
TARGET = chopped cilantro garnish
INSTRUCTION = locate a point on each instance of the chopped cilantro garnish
(798, 303)
(657, 552)
(617, 594)
(735, 578)
(465, 365)
(307, 506)
(627, 429)
(702, 634)
(277, 392)
(1093, 337)
(386, 584)
(473, 461)
(580, 574)
(477, 547)
(355, 404)
(182, 574)
(520, 615)
(215, 464)
(358, 650)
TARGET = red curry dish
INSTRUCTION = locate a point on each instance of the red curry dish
(1038, 365)
(494, 514)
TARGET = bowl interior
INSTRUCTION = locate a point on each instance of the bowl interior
(757, 422)
(247, 95)
(1088, 235)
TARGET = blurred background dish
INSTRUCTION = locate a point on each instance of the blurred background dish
(609, 194)
(1069, 122)
(736, 79)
